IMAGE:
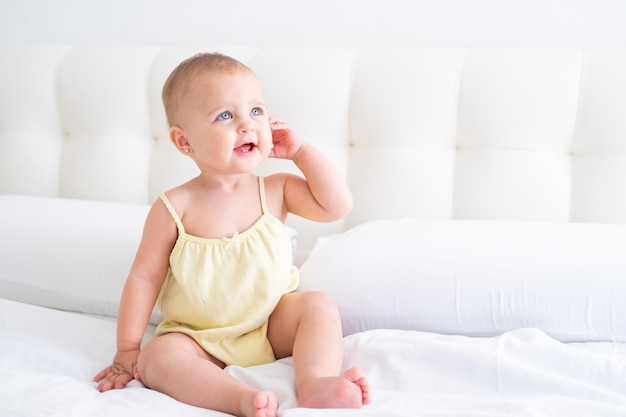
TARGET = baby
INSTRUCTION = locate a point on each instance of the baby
(216, 257)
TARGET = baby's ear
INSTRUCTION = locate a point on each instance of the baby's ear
(178, 138)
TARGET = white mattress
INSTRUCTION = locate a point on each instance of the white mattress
(48, 357)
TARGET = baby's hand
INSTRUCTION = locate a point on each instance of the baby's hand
(287, 141)
(123, 370)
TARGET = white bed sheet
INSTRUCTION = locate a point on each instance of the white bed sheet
(48, 357)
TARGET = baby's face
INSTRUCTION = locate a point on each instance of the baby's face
(225, 120)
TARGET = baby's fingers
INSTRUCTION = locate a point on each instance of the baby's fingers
(278, 124)
(275, 120)
(114, 381)
(102, 374)
(122, 380)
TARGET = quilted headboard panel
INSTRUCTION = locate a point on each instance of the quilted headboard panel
(516, 134)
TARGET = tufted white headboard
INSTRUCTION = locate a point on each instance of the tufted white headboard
(516, 134)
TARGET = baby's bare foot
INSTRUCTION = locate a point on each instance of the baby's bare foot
(259, 404)
(348, 390)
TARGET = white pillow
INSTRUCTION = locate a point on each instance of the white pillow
(67, 254)
(71, 255)
(476, 278)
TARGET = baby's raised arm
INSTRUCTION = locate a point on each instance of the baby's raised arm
(323, 194)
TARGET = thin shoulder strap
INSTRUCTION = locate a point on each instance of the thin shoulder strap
(262, 194)
(173, 213)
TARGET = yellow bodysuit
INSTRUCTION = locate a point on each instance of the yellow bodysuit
(221, 292)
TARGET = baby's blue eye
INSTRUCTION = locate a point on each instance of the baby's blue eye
(256, 111)
(225, 116)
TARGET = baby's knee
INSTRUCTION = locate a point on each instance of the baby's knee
(319, 303)
(154, 361)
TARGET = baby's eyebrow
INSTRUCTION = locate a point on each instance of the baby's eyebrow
(227, 105)
(219, 108)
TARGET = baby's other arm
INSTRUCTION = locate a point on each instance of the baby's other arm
(139, 296)
(323, 194)
(146, 276)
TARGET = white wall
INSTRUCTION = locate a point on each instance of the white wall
(569, 23)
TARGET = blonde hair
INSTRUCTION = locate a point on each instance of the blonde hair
(178, 81)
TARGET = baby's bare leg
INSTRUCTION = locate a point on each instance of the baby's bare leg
(174, 364)
(308, 326)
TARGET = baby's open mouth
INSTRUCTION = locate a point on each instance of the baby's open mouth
(246, 147)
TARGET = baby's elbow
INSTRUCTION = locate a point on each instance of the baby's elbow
(340, 208)
(347, 206)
